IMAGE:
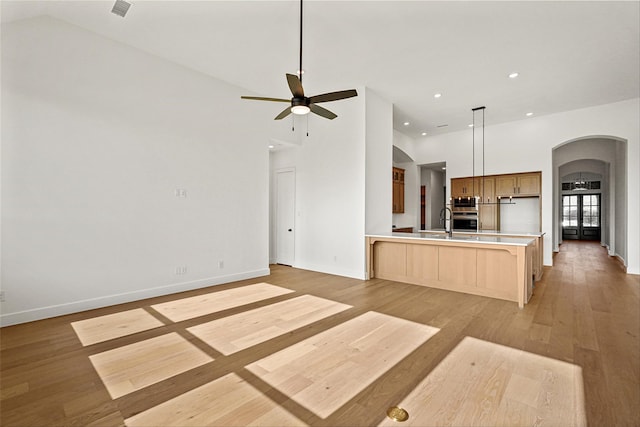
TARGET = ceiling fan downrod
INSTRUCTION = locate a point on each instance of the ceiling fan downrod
(300, 68)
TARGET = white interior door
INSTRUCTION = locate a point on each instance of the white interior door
(285, 216)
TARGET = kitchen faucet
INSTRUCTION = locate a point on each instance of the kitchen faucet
(443, 220)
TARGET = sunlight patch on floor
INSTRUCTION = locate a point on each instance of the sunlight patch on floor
(213, 302)
(126, 369)
(325, 371)
(482, 383)
(238, 332)
(227, 401)
(105, 328)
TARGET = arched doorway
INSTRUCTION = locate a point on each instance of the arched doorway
(594, 159)
(583, 197)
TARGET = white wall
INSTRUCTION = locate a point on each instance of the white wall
(330, 189)
(527, 145)
(96, 138)
(379, 143)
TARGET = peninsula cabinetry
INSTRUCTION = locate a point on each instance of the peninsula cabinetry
(398, 190)
(492, 267)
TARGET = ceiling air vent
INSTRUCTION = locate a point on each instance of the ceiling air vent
(120, 8)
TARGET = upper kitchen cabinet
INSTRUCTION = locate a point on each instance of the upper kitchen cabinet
(525, 184)
(398, 190)
(470, 187)
(462, 187)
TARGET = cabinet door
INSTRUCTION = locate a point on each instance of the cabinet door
(398, 197)
(461, 187)
(488, 217)
(485, 189)
(529, 184)
(506, 185)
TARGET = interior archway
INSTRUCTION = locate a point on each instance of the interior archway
(604, 156)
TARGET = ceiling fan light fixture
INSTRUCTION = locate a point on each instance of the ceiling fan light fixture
(300, 109)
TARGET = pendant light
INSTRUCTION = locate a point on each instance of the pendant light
(480, 199)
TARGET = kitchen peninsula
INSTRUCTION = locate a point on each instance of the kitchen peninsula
(488, 265)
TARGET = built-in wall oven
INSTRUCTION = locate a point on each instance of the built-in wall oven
(465, 214)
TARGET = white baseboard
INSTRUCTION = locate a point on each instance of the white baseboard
(331, 270)
(7, 319)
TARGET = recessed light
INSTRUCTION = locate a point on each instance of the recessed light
(406, 123)
(470, 125)
(529, 114)
(424, 134)
(513, 75)
(437, 95)
(444, 168)
(271, 146)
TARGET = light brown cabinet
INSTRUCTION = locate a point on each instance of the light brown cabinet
(462, 187)
(488, 217)
(487, 213)
(398, 190)
(526, 184)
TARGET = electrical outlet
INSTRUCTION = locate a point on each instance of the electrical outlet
(181, 192)
(181, 270)
(221, 264)
(1, 296)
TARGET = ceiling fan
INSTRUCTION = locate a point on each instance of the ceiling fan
(300, 104)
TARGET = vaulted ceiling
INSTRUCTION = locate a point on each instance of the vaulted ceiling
(568, 54)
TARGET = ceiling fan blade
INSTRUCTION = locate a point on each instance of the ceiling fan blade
(322, 112)
(334, 96)
(295, 85)
(260, 98)
(283, 114)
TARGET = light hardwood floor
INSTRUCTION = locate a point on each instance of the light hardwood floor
(448, 358)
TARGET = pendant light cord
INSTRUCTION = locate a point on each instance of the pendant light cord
(483, 155)
(473, 153)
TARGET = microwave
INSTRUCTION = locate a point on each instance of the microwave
(464, 203)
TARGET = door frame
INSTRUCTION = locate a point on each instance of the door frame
(277, 213)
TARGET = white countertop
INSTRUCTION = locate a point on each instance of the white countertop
(488, 232)
(440, 236)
